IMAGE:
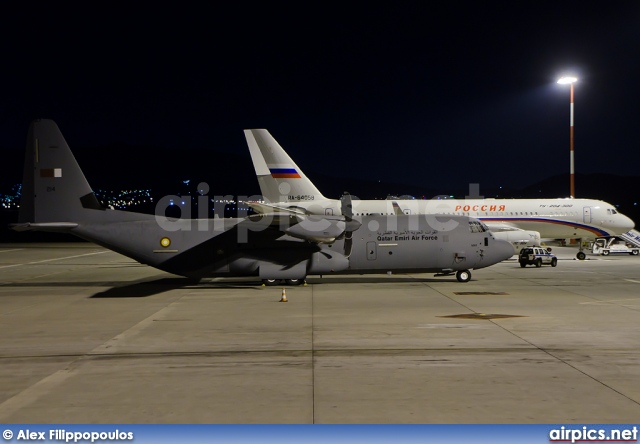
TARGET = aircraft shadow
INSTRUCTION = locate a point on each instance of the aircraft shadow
(162, 285)
(150, 288)
(144, 289)
(379, 280)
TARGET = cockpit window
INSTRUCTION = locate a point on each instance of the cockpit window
(476, 226)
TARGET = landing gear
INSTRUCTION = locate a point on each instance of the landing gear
(581, 256)
(273, 282)
(463, 275)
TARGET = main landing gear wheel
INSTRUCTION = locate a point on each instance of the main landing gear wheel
(581, 256)
(272, 282)
(463, 276)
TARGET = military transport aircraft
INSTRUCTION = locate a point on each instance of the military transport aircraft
(521, 221)
(278, 246)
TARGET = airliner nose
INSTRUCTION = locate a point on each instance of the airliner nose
(626, 223)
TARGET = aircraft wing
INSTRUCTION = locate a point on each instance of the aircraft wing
(264, 208)
(501, 226)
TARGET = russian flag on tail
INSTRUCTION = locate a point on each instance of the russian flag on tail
(284, 173)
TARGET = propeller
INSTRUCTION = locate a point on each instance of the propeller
(351, 225)
(323, 228)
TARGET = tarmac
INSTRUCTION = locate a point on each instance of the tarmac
(90, 336)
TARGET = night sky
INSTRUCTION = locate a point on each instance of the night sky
(440, 94)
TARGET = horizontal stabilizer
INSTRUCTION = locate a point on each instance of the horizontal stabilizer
(44, 226)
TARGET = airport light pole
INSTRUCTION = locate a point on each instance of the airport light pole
(570, 81)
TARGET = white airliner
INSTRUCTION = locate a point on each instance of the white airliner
(521, 221)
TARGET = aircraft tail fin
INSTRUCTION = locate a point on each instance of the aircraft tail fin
(280, 179)
(54, 188)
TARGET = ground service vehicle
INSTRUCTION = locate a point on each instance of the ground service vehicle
(610, 245)
(536, 256)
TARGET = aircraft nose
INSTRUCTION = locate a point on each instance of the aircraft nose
(626, 223)
(502, 250)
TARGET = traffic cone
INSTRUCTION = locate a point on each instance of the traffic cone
(284, 296)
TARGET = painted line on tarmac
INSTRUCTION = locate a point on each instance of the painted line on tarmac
(631, 280)
(612, 301)
(55, 259)
(13, 249)
(33, 393)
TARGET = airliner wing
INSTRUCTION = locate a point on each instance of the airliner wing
(501, 226)
(263, 208)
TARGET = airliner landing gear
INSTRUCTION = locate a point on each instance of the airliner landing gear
(463, 275)
(580, 256)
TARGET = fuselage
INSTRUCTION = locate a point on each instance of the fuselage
(552, 218)
(258, 247)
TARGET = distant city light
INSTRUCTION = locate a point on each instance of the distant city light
(123, 198)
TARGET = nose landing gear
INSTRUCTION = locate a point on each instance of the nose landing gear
(581, 256)
(463, 275)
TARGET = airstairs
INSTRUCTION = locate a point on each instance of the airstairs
(632, 236)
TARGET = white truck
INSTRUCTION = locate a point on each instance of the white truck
(610, 245)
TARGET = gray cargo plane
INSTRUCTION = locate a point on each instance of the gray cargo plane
(274, 247)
